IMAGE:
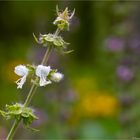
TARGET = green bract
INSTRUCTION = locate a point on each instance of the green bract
(51, 39)
(51, 72)
(31, 68)
(18, 111)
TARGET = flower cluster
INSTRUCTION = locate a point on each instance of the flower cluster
(18, 111)
(51, 39)
(44, 73)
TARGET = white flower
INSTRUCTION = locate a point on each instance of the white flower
(42, 72)
(21, 71)
(56, 77)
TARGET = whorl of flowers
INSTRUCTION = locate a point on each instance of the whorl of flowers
(45, 74)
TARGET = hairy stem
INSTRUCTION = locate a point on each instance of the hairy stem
(31, 92)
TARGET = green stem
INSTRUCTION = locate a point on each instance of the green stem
(46, 56)
(13, 129)
(31, 92)
(57, 32)
(30, 95)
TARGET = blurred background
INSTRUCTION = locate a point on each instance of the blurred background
(99, 96)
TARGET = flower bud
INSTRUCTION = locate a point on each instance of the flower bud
(56, 77)
(63, 19)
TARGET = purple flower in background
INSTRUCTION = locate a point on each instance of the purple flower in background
(125, 73)
(64, 114)
(39, 54)
(124, 118)
(75, 23)
(128, 61)
(126, 100)
(134, 44)
(114, 44)
(70, 95)
(51, 96)
(41, 118)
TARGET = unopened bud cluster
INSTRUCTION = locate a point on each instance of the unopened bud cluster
(63, 19)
